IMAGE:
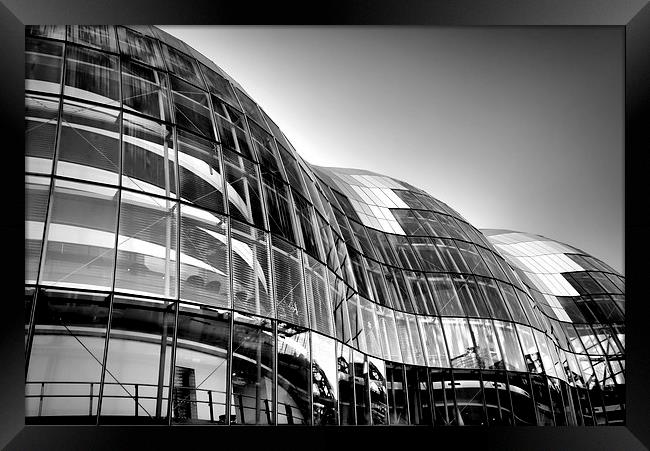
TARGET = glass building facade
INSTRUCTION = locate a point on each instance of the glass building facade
(185, 265)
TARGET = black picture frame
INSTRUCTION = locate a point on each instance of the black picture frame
(632, 16)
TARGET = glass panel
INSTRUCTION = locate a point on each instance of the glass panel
(250, 267)
(47, 31)
(469, 398)
(434, 342)
(444, 397)
(558, 405)
(361, 392)
(201, 180)
(497, 399)
(512, 303)
(137, 374)
(37, 192)
(92, 75)
(459, 341)
(399, 295)
(316, 287)
(396, 393)
(232, 128)
(98, 36)
(293, 171)
(294, 383)
(250, 107)
(219, 85)
(149, 157)
(421, 295)
(310, 236)
(145, 90)
(289, 287)
(139, 47)
(89, 143)
(204, 257)
(417, 383)
(201, 367)
(43, 65)
(513, 356)
(446, 297)
(243, 189)
(191, 108)
(404, 336)
(41, 120)
(146, 250)
(469, 297)
(378, 393)
(493, 298)
(521, 393)
(325, 383)
(531, 354)
(345, 376)
(253, 370)
(542, 400)
(278, 208)
(370, 327)
(357, 336)
(339, 308)
(67, 351)
(182, 65)
(80, 242)
(388, 334)
(266, 152)
(487, 349)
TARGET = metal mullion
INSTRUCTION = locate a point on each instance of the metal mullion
(430, 395)
(172, 371)
(229, 357)
(406, 393)
(100, 396)
(275, 372)
(30, 329)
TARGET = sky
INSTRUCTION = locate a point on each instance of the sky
(514, 128)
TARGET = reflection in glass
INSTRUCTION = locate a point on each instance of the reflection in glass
(92, 75)
(182, 65)
(487, 349)
(41, 118)
(290, 299)
(345, 376)
(37, 191)
(89, 143)
(397, 393)
(316, 288)
(43, 64)
(542, 400)
(147, 244)
(200, 369)
(294, 383)
(204, 257)
(65, 365)
(443, 396)
(98, 36)
(145, 90)
(201, 181)
(378, 391)
(513, 356)
(324, 377)
(497, 399)
(469, 398)
(459, 340)
(80, 242)
(417, 384)
(139, 47)
(243, 189)
(253, 370)
(138, 363)
(250, 267)
(361, 392)
(191, 108)
(523, 406)
(433, 341)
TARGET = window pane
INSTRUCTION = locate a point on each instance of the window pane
(243, 188)
(388, 334)
(201, 370)
(250, 107)
(531, 354)
(493, 298)
(67, 351)
(428, 253)
(459, 341)
(420, 411)
(513, 356)
(191, 108)
(497, 399)
(41, 120)
(469, 296)
(37, 191)
(289, 287)
(98, 36)
(325, 383)
(47, 31)
(43, 65)
(219, 85)
(89, 143)
(542, 400)
(139, 359)
(434, 342)
(139, 47)
(316, 288)
(294, 384)
(204, 257)
(149, 158)
(446, 297)
(521, 393)
(201, 180)
(253, 370)
(92, 75)
(80, 242)
(396, 393)
(251, 275)
(232, 128)
(378, 391)
(487, 349)
(146, 250)
(305, 215)
(443, 396)
(361, 388)
(145, 90)
(345, 377)
(469, 398)
(182, 65)
(278, 208)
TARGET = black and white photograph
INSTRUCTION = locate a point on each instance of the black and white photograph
(325, 227)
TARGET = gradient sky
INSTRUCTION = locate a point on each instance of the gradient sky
(515, 128)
